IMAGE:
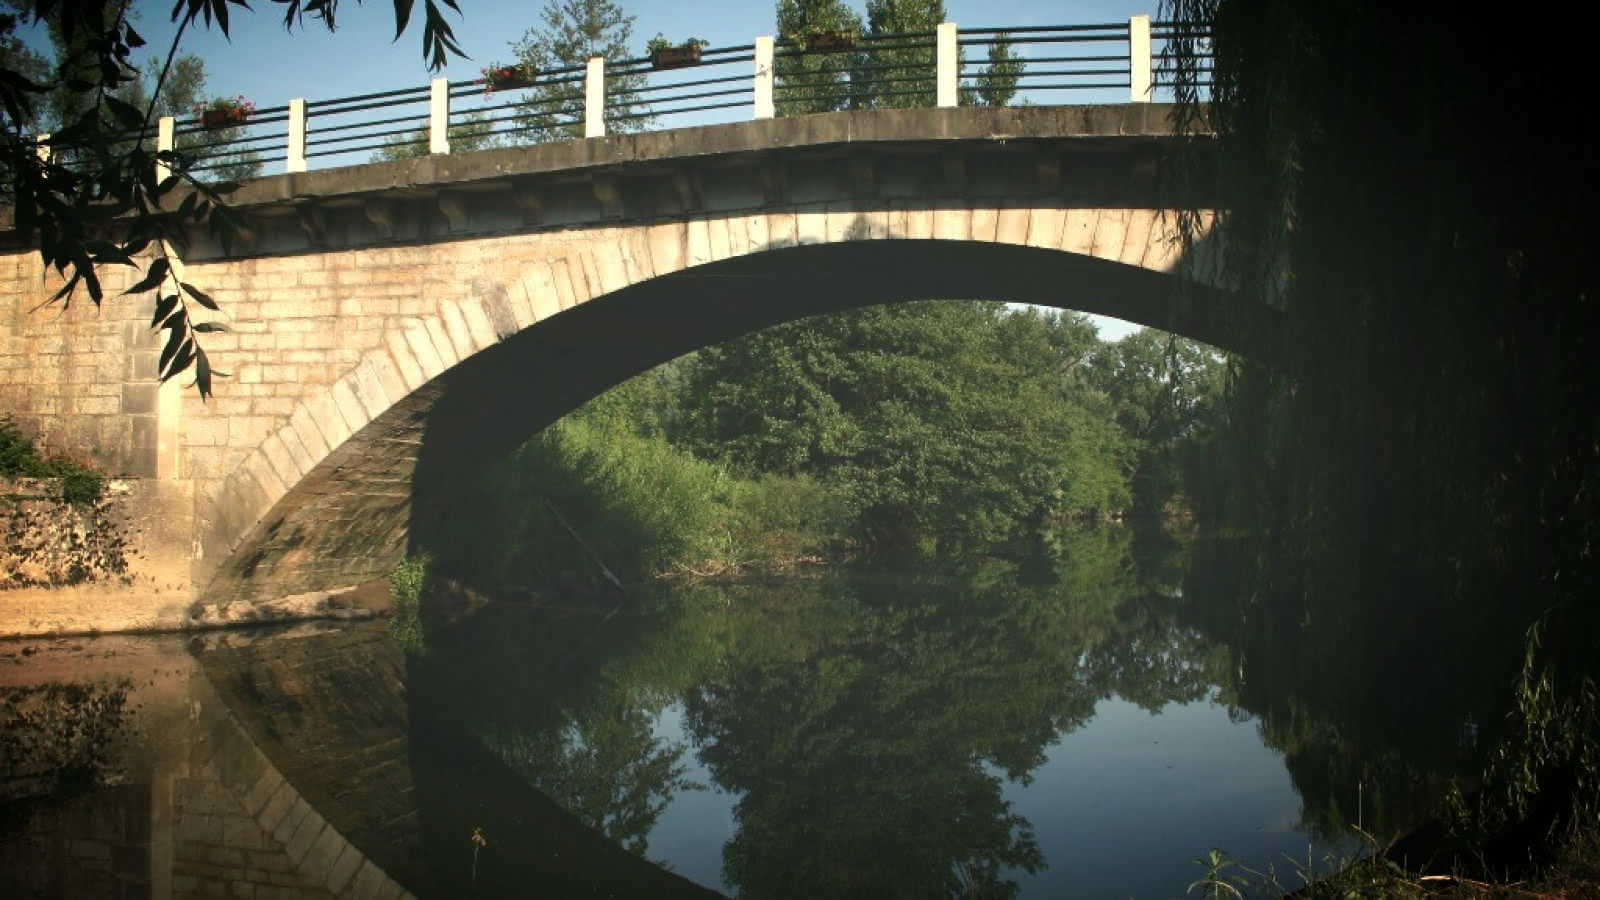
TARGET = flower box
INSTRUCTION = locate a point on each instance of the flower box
(224, 112)
(675, 57)
(506, 78)
(829, 41)
(219, 118)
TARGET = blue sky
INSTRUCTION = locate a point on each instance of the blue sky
(269, 65)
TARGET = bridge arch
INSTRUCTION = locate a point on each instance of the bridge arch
(326, 500)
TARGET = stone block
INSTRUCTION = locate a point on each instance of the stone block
(139, 397)
(305, 837)
(130, 859)
(289, 823)
(199, 828)
(568, 279)
(226, 859)
(1111, 230)
(668, 245)
(1078, 234)
(343, 870)
(367, 882)
(330, 423)
(257, 799)
(356, 416)
(241, 834)
(456, 331)
(479, 326)
(404, 358)
(443, 350)
(268, 862)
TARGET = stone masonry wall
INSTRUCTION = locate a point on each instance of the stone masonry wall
(47, 542)
(81, 377)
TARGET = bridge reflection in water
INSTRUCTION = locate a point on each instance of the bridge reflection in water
(280, 765)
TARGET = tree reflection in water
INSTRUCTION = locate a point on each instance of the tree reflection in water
(869, 721)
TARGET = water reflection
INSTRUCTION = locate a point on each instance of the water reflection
(1079, 719)
(874, 730)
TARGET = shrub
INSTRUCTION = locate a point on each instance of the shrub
(782, 518)
(78, 484)
(406, 583)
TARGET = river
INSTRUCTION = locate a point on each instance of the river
(1083, 718)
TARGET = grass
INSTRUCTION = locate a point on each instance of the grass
(1369, 875)
(78, 484)
(406, 583)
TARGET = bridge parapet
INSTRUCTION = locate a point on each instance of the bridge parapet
(1130, 61)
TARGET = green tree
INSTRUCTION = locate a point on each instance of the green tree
(813, 82)
(18, 58)
(1161, 388)
(949, 420)
(571, 33)
(996, 83)
(898, 72)
(473, 131)
(885, 70)
(902, 76)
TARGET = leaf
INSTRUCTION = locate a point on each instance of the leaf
(184, 357)
(164, 308)
(202, 372)
(209, 327)
(126, 114)
(153, 276)
(177, 337)
(402, 16)
(186, 208)
(200, 296)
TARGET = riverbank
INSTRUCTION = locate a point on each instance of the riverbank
(95, 608)
(1574, 875)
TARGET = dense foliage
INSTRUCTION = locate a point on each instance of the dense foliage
(898, 72)
(945, 420)
(939, 426)
(19, 456)
(1433, 437)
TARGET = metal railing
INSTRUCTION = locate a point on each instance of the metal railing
(693, 85)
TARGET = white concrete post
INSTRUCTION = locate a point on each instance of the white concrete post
(1139, 59)
(297, 136)
(947, 67)
(439, 116)
(765, 108)
(594, 98)
(166, 139)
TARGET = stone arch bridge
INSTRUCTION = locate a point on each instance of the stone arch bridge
(393, 323)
